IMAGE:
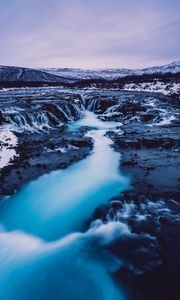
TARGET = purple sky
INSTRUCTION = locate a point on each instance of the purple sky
(89, 33)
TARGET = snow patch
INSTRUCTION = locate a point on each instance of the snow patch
(166, 88)
(8, 142)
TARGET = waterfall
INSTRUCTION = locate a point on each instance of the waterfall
(29, 122)
(43, 118)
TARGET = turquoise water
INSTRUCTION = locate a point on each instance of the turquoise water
(43, 254)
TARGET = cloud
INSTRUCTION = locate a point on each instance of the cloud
(78, 33)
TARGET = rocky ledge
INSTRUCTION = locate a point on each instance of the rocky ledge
(33, 125)
(41, 153)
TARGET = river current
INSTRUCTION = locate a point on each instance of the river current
(44, 251)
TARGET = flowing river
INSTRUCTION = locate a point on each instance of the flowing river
(44, 253)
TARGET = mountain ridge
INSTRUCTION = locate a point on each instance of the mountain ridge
(112, 73)
(22, 74)
(69, 75)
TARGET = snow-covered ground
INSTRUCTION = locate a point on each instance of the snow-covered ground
(8, 143)
(157, 86)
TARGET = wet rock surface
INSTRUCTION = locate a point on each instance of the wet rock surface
(41, 153)
(38, 118)
(148, 140)
(147, 136)
(151, 253)
(151, 156)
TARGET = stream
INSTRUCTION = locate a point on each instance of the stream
(44, 252)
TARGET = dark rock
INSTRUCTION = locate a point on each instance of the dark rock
(130, 107)
(116, 204)
(2, 119)
(101, 211)
(147, 117)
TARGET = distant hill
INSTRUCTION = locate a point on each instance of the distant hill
(18, 74)
(105, 78)
(111, 74)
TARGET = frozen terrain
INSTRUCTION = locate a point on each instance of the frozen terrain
(165, 88)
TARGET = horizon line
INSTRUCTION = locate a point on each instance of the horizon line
(91, 69)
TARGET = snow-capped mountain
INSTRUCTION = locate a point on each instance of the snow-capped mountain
(66, 75)
(174, 67)
(111, 73)
(8, 73)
